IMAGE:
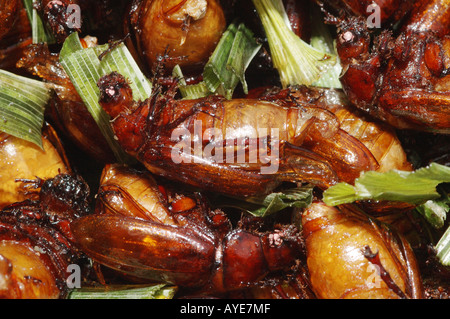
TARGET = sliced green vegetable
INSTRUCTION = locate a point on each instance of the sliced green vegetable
(244, 49)
(229, 61)
(412, 187)
(22, 106)
(84, 68)
(71, 45)
(264, 206)
(193, 91)
(322, 40)
(443, 248)
(297, 62)
(435, 211)
(227, 65)
(39, 32)
(216, 73)
(160, 291)
(275, 202)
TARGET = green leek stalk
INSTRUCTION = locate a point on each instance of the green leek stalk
(159, 291)
(263, 206)
(443, 248)
(39, 32)
(22, 106)
(226, 67)
(297, 62)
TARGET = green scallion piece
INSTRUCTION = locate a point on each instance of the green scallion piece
(160, 291)
(226, 67)
(297, 62)
(443, 248)
(22, 106)
(39, 32)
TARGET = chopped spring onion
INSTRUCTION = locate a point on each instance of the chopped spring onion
(264, 206)
(435, 211)
(39, 32)
(226, 66)
(443, 248)
(216, 73)
(192, 91)
(322, 40)
(160, 291)
(22, 106)
(297, 62)
(275, 202)
(84, 68)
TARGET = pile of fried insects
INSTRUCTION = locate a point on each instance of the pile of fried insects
(261, 149)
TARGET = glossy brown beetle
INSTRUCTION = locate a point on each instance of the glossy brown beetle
(183, 32)
(351, 255)
(36, 246)
(402, 79)
(312, 147)
(151, 232)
